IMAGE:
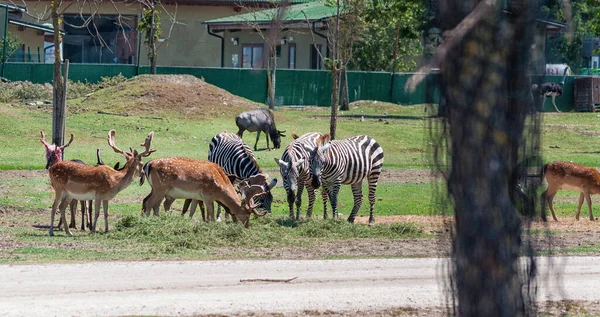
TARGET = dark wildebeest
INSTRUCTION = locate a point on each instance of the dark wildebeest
(257, 121)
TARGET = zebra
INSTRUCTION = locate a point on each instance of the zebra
(347, 162)
(235, 157)
(294, 170)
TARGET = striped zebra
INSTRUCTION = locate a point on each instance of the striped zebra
(235, 157)
(347, 162)
(295, 172)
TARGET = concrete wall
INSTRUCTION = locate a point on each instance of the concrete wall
(32, 41)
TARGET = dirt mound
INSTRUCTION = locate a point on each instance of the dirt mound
(154, 95)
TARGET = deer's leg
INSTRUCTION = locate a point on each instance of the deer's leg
(202, 210)
(581, 196)
(83, 205)
(89, 219)
(549, 195)
(63, 207)
(168, 203)
(57, 200)
(152, 200)
(210, 210)
(73, 207)
(97, 203)
(588, 197)
(257, 137)
(193, 203)
(105, 206)
(554, 103)
(358, 198)
(186, 206)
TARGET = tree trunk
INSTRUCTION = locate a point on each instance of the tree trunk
(395, 59)
(58, 110)
(335, 85)
(345, 101)
(486, 92)
(152, 43)
(271, 81)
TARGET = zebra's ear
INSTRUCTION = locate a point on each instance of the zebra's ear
(325, 147)
(299, 162)
(308, 147)
(281, 163)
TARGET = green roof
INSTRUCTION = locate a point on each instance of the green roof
(313, 11)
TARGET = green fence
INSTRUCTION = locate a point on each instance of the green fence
(293, 87)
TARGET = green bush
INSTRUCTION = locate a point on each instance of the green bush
(78, 89)
(33, 92)
(7, 94)
(106, 82)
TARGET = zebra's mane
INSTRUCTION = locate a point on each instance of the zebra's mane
(250, 154)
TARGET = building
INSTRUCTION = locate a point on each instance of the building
(111, 36)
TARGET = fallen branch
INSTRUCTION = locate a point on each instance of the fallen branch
(269, 280)
(157, 118)
(113, 113)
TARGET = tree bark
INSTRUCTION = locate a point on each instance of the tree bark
(486, 93)
(345, 101)
(58, 109)
(271, 79)
(152, 44)
(334, 102)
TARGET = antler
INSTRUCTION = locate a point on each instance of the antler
(43, 139)
(111, 142)
(257, 179)
(147, 143)
(69, 143)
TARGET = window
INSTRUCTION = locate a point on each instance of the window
(292, 56)
(278, 51)
(105, 40)
(252, 56)
(315, 58)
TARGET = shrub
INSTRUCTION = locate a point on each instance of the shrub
(33, 92)
(7, 94)
(78, 89)
(111, 81)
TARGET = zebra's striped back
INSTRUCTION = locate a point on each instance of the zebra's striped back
(347, 161)
(233, 155)
(294, 152)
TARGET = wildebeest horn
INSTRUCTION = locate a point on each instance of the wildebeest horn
(308, 147)
(279, 162)
(325, 147)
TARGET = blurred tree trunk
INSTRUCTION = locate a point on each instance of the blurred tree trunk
(344, 102)
(58, 113)
(485, 86)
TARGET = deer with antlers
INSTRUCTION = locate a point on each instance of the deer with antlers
(179, 177)
(570, 176)
(72, 180)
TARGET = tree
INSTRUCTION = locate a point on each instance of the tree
(270, 36)
(12, 45)
(150, 25)
(391, 40)
(478, 147)
(344, 29)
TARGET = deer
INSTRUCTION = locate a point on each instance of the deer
(54, 154)
(72, 180)
(570, 176)
(179, 177)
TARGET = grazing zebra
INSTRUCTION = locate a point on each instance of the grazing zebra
(294, 169)
(348, 162)
(235, 157)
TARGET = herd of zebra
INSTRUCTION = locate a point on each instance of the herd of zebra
(311, 160)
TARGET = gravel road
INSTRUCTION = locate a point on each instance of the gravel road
(215, 287)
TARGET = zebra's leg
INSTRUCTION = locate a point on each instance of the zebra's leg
(373, 178)
(333, 192)
(324, 196)
(358, 198)
(311, 200)
(554, 103)
(299, 200)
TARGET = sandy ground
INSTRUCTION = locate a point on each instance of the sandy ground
(321, 287)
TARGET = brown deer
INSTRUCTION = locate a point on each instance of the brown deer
(72, 180)
(179, 177)
(570, 176)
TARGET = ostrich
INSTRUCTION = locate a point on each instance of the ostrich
(552, 90)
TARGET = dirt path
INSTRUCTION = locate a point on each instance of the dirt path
(343, 287)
